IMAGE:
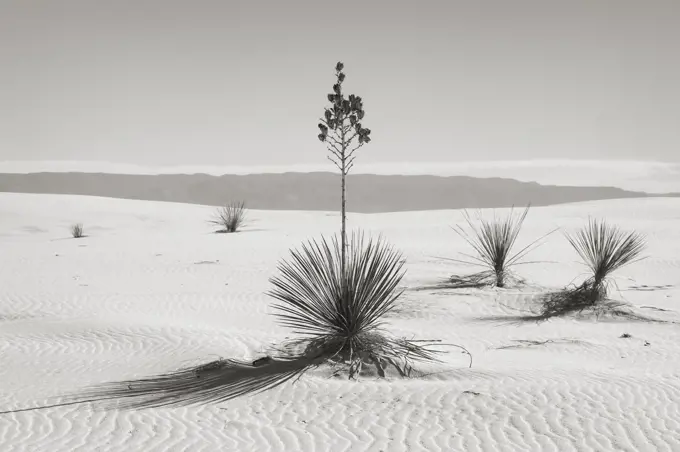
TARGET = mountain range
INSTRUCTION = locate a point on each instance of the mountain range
(366, 193)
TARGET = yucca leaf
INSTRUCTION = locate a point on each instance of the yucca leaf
(217, 381)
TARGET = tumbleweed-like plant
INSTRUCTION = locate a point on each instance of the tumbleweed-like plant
(493, 242)
(230, 217)
(77, 231)
(604, 248)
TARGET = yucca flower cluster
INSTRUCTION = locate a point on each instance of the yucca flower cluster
(343, 117)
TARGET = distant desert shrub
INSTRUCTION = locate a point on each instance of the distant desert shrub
(77, 231)
(230, 217)
(604, 248)
(493, 242)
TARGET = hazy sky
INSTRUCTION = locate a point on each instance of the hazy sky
(243, 82)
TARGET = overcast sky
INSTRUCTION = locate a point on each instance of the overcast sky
(243, 82)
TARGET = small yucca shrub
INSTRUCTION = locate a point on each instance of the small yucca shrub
(77, 231)
(493, 242)
(604, 248)
(230, 217)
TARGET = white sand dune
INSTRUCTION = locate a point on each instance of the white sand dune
(151, 289)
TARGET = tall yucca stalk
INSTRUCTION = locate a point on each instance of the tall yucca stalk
(605, 248)
(493, 242)
(343, 133)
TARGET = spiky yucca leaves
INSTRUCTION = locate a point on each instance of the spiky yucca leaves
(604, 248)
(340, 313)
(230, 217)
(493, 243)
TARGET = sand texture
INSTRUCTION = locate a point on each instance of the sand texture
(152, 289)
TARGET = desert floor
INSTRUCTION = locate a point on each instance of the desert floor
(152, 289)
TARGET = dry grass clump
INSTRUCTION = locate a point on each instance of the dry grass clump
(604, 248)
(493, 243)
(230, 217)
(77, 231)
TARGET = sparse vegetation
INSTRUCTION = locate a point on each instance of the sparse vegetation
(604, 248)
(77, 231)
(493, 242)
(231, 217)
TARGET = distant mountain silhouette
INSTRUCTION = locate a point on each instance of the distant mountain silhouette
(313, 191)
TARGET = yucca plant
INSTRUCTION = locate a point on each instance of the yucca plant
(336, 301)
(77, 231)
(338, 315)
(493, 242)
(604, 248)
(230, 217)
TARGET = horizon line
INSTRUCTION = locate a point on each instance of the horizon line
(434, 168)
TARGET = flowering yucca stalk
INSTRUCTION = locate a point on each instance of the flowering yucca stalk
(343, 133)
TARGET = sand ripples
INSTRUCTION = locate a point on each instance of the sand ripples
(72, 316)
